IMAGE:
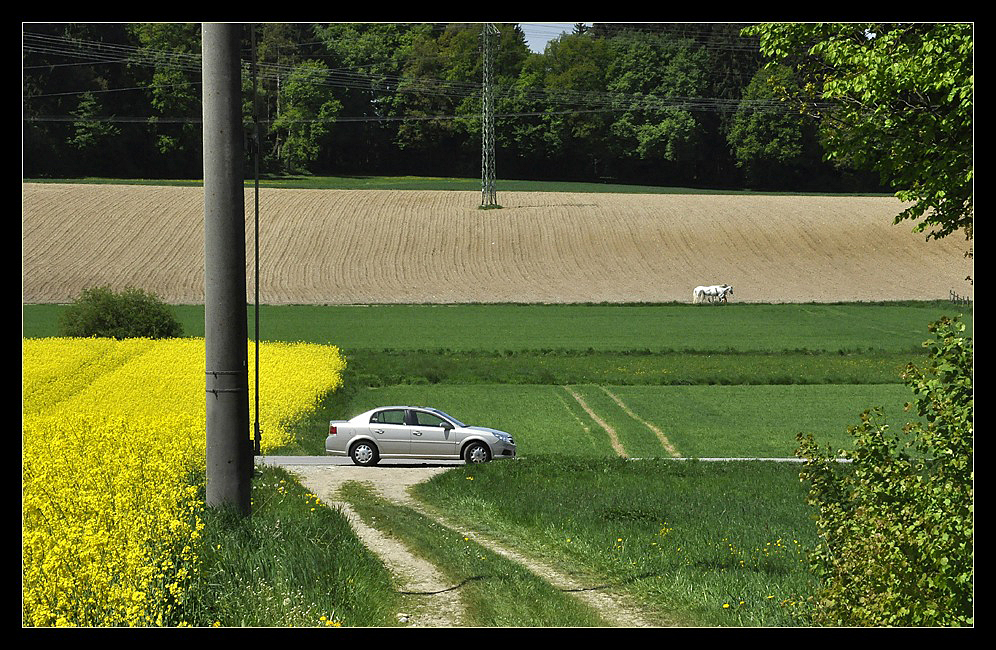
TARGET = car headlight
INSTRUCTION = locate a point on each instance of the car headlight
(504, 437)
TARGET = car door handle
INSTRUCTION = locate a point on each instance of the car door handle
(416, 433)
(378, 431)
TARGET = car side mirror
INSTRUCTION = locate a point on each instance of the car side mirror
(447, 425)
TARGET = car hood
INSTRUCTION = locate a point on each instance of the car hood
(489, 430)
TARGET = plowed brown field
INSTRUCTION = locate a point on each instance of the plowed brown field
(357, 246)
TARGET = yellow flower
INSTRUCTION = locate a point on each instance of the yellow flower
(111, 431)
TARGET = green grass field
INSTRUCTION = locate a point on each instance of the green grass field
(731, 381)
(698, 421)
(669, 327)
(706, 544)
(698, 543)
(426, 183)
(730, 328)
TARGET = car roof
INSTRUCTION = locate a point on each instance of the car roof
(429, 409)
(401, 406)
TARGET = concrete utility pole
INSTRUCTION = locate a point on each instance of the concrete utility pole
(229, 452)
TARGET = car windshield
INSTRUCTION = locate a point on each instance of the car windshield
(448, 417)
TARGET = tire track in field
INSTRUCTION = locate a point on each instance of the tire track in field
(671, 449)
(613, 437)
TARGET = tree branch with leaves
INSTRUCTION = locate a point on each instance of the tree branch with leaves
(896, 99)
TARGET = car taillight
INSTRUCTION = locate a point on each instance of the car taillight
(332, 430)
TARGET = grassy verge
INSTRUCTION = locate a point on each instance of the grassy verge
(360, 182)
(293, 563)
(496, 592)
(378, 368)
(720, 544)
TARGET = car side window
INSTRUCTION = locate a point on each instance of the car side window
(396, 416)
(428, 419)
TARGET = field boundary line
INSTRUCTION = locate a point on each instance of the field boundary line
(671, 449)
(613, 438)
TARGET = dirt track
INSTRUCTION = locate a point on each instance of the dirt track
(436, 599)
(359, 246)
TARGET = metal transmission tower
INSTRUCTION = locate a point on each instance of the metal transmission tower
(489, 38)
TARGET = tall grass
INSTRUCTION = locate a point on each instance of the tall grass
(640, 367)
(294, 563)
(496, 591)
(717, 544)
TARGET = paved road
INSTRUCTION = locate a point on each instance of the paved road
(334, 461)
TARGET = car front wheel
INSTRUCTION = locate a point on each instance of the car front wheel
(364, 454)
(477, 453)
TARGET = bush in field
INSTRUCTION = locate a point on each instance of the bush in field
(897, 523)
(132, 313)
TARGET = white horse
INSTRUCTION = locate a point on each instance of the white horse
(710, 293)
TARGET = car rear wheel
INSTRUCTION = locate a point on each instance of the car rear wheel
(477, 452)
(364, 454)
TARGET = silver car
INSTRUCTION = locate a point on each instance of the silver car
(414, 432)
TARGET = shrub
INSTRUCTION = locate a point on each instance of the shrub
(132, 313)
(896, 524)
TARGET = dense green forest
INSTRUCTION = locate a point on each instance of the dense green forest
(682, 104)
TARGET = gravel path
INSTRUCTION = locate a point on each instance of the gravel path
(439, 600)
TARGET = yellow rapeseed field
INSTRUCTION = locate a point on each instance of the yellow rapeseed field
(113, 432)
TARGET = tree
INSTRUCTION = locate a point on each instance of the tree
(577, 135)
(896, 99)
(307, 113)
(441, 78)
(775, 146)
(896, 524)
(91, 135)
(173, 50)
(654, 74)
